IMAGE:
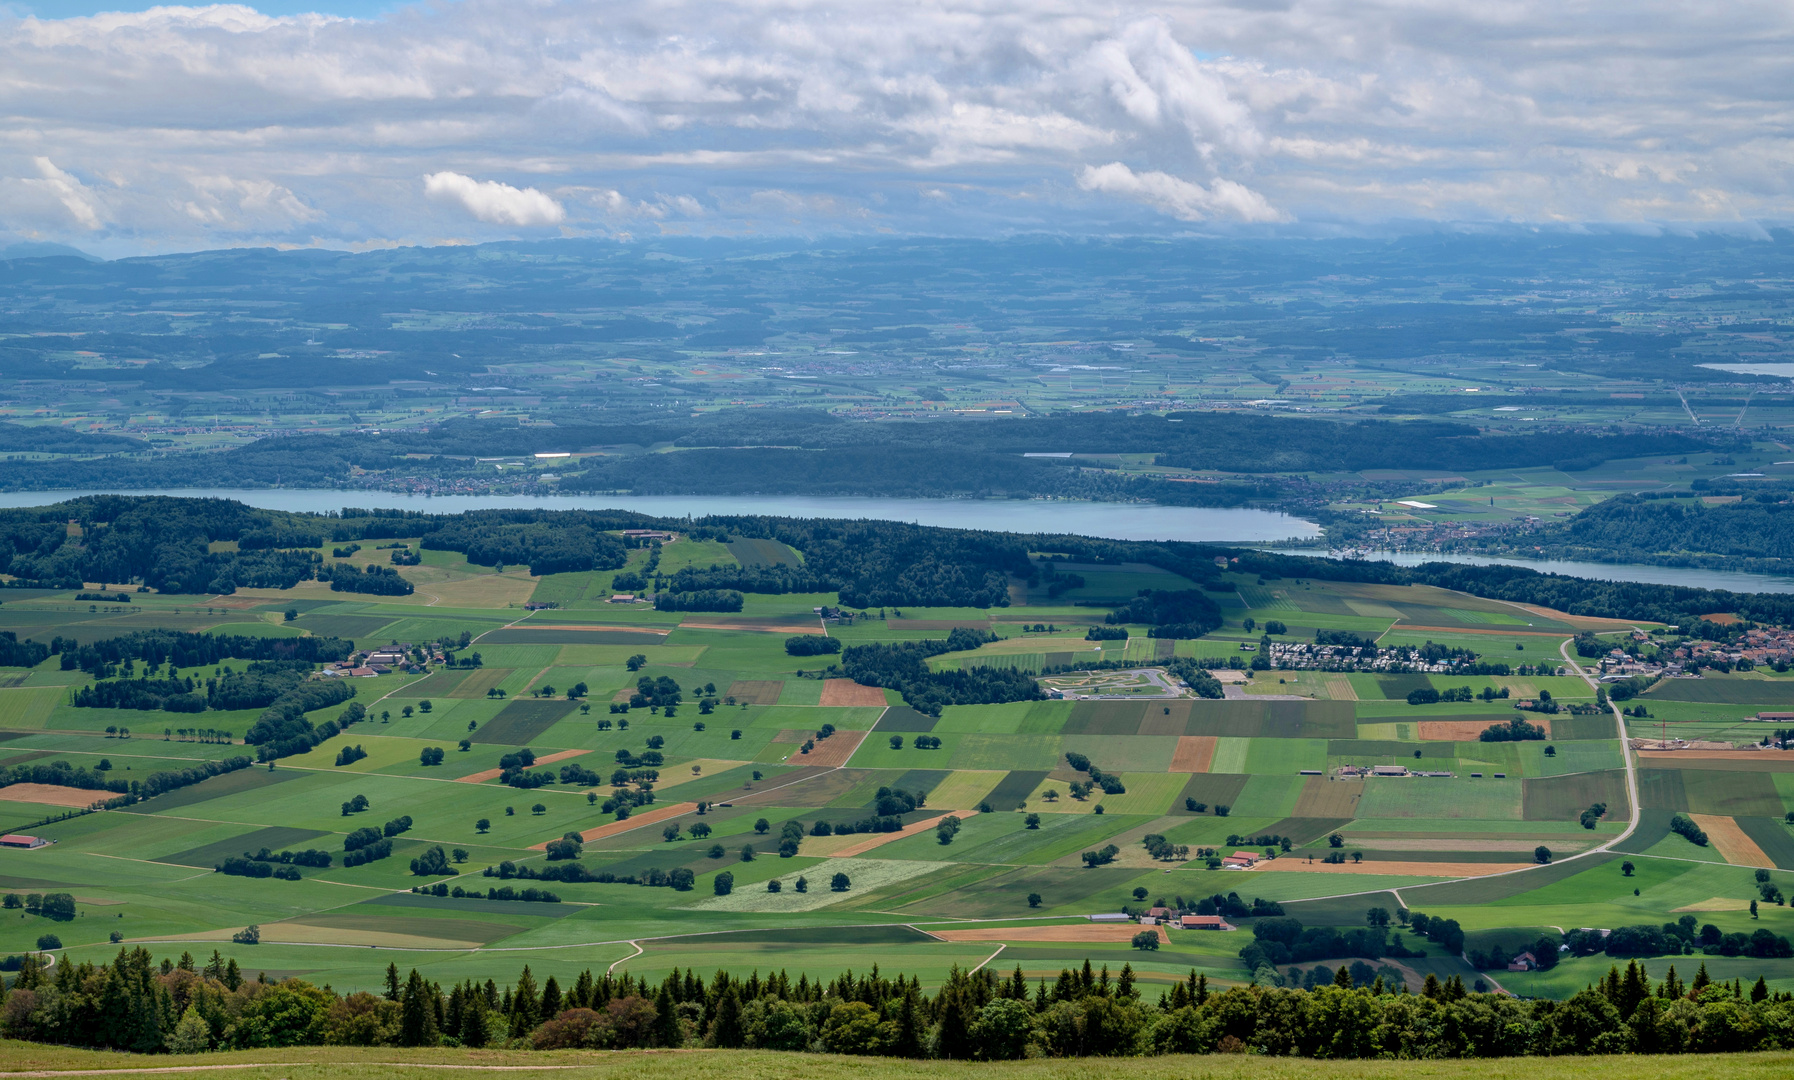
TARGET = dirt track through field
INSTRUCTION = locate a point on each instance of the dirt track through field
(1469, 730)
(1195, 753)
(1710, 755)
(881, 839)
(633, 821)
(1398, 869)
(846, 692)
(829, 753)
(53, 795)
(643, 631)
(763, 628)
(493, 774)
(1105, 932)
(1729, 840)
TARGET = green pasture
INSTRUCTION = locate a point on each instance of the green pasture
(152, 865)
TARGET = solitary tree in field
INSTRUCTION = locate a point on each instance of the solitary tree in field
(840, 883)
(896, 742)
(761, 826)
(482, 825)
(1033, 899)
(1542, 853)
(538, 809)
(1626, 868)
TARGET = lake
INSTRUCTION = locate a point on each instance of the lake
(1113, 521)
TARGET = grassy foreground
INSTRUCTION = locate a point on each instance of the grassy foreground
(352, 1063)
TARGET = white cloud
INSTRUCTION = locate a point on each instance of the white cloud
(1311, 110)
(1180, 198)
(66, 190)
(493, 202)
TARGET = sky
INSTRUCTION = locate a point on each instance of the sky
(360, 124)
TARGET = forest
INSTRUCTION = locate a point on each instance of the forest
(802, 451)
(184, 1006)
(1682, 530)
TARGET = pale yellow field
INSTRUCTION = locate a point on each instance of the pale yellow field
(963, 790)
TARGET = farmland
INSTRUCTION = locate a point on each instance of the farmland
(753, 746)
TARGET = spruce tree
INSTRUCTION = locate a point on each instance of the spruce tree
(667, 1030)
(526, 1006)
(417, 1014)
(725, 1031)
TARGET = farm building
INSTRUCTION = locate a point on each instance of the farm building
(1204, 922)
(1240, 860)
(20, 840)
(1110, 916)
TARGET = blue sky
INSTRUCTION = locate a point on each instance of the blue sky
(356, 125)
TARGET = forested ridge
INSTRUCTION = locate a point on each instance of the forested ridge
(1756, 530)
(184, 1006)
(802, 451)
(163, 543)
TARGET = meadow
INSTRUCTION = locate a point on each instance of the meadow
(731, 777)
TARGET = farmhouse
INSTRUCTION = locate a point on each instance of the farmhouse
(20, 840)
(623, 598)
(1524, 962)
(1240, 860)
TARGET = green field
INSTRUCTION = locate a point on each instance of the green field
(147, 873)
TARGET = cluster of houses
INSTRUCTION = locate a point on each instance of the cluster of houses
(1763, 645)
(383, 661)
(1304, 655)
(1164, 916)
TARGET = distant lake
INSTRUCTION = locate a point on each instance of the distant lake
(1729, 580)
(1112, 521)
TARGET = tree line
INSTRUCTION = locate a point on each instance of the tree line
(181, 1006)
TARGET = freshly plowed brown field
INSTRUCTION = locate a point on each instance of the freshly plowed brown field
(1195, 753)
(846, 692)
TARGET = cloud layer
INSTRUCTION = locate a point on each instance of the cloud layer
(186, 127)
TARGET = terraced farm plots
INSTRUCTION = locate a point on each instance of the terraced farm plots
(764, 774)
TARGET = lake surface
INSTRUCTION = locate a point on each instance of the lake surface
(1646, 574)
(1113, 521)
